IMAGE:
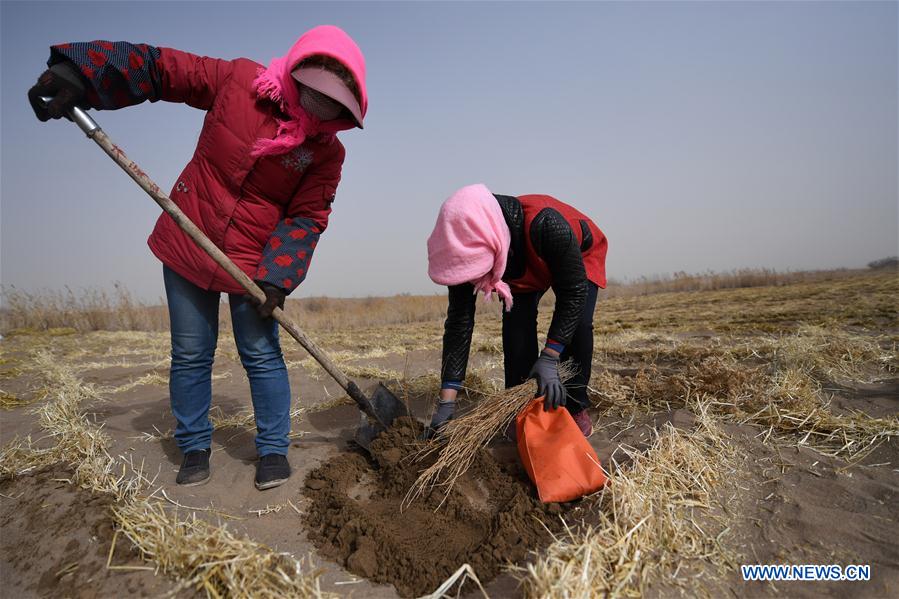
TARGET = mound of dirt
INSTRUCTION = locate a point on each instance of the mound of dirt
(490, 517)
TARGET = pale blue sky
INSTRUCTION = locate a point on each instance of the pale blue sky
(703, 135)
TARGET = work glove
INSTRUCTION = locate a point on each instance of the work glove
(446, 411)
(64, 84)
(274, 296)
(546, 371)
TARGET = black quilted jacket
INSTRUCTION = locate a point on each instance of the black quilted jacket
(554, 242)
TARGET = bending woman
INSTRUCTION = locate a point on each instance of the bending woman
(260, 186)
(519, 247)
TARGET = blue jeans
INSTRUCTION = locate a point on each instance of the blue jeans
(194, 319)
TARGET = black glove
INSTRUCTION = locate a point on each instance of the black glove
(546, 371)
(63, 82)
(274, 296)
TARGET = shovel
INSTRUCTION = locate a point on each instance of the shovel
(378, 413)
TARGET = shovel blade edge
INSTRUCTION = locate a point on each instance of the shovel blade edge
(388, 408)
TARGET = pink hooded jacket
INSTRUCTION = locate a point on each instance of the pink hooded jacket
(244, 106)
(470, 243)
(263, 174)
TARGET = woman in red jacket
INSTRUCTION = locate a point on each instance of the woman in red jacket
(519, 247)
(260, 186)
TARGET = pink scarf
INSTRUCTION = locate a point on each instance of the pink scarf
(470, 243)
(276, 84)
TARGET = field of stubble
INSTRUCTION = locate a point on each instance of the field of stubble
(740, 426)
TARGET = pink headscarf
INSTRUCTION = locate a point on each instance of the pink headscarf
(276, 83)
(470, 243)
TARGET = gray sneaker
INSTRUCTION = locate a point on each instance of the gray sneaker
(194, 468)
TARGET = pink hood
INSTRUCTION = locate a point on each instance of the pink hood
(276, 83)
(470, 243)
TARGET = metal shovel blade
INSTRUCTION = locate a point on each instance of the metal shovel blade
(388, 408)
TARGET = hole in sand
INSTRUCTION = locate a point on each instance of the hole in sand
(490, 517)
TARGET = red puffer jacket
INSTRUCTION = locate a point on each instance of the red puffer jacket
(266, 214)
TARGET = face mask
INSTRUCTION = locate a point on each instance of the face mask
(319, 105)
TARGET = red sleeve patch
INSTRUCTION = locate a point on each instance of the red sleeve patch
(98, 58)
(135, 60)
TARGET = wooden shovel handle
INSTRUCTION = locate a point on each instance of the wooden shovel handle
(181, 219)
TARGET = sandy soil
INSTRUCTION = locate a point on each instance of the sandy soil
(57, 539)
(357, 516)
(789, 506)
(801, 507)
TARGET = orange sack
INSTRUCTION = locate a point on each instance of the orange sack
(559, 460)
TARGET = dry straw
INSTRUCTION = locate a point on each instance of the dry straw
(71, 439)
(459, 441)
(207, 558)
(654, 515)
(478, 385)
(210, 558)
(8, 401)
(465, 573)
(95, 309)
(786, 393)
(654, 520)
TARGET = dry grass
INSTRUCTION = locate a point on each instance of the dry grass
(465, 574)
(864, 300)
(88, 310)
(795, 411)
(8, 401)
(710, 281)
(209, 559)
(478, 385)
(245, 421)
(653, 520)
(151, 378)
(784, 392)
(458, 442)
(833, 354)
(719, 346)
(71, 438)
(93, 310)
(330, 314)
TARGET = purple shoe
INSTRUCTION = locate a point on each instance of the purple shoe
(582, 419)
